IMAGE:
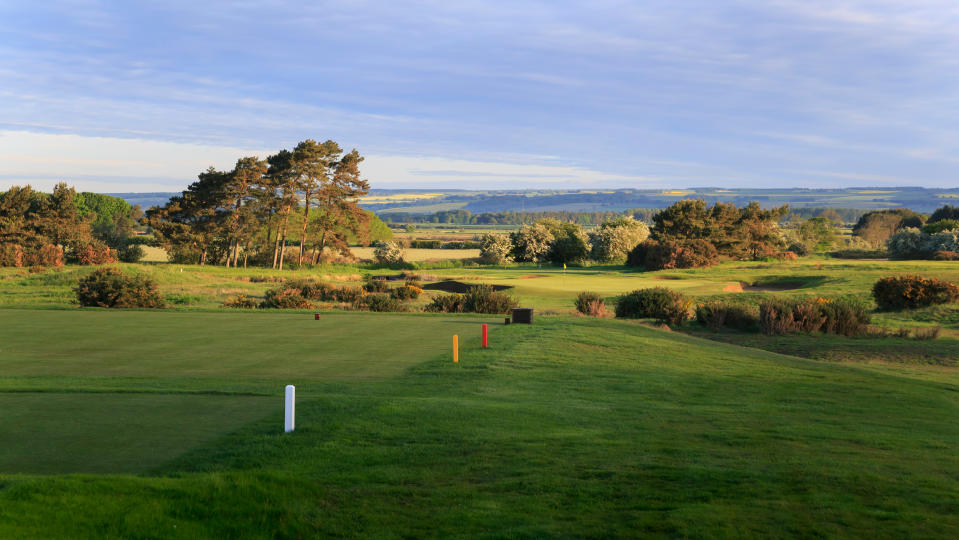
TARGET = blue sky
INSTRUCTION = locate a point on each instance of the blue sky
(140, 96)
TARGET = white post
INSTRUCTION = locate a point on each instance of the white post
(290, 408)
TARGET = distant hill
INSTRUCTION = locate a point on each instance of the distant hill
(145, 200)
(425, 201)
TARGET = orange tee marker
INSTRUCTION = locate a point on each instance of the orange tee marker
(484, 336)
(456, 349)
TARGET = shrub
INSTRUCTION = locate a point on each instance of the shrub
(379, 302)
(945, 256)
(913, 291)
(348, 294)
(531, 243)
(588, 302)
(798, 248)
(787, 256)
(654, 255)
(426, 244)
(496, 249)
(406, 292)
(47, 255)
(389, 252)
(483, 299)
(240, 301)
(110, 288)
(446, 303)
(11, 255)
(831, 316)
(285, 298)
(93, 254)
(846, 317)
(616, 238)
(571, 247)
(375, 285)
(662, 304)
(130, 253)
(720, 314)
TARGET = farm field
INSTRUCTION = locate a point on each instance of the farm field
(637, 431)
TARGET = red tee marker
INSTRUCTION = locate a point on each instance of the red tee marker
(484, 336)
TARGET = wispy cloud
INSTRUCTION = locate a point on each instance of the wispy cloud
(702, 92)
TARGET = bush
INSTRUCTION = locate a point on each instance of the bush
(662, 304)
(11, 255)
(285, 298)
(945, 256)
(379, 302)
(913, 291)
(720, 314)
(616, 238)
(787, 256)
(590, 303)
(798, 248)
(654, 255)
(406, 292)
(93, 254)
(375, 285)
(389, 252)
(830, 316)
(110, 288)
(240, 301)
(348, 294)
(47, 255)
(496, 249)
(426, 244)
(483, 299)
(446, 303)
(130, 253)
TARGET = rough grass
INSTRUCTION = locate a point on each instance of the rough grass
(569, 427)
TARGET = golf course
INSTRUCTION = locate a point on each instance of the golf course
(168, 424)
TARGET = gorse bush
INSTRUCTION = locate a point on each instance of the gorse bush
(375, 285)
(478, 299)
(660, 303)
(286, 298)
(96, 253)
(590, 303)
(727, 314)
(483, 299)
(913, 291)
(110, 288)
(379, 302)
(446, 303)
(406, 292)
(240, 301)
(843, 316)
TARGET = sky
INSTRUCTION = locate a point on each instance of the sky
(142, 96)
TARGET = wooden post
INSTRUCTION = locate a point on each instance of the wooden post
(456, 349)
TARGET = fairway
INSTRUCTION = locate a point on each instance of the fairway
(239, 346)
(571, 426)
(115, 433)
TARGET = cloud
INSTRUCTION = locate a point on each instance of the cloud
(140, 165)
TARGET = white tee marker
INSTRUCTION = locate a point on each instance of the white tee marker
(290, 408)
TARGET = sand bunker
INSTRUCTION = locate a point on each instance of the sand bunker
(458, 286)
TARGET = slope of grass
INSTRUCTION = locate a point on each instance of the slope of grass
(569, 427)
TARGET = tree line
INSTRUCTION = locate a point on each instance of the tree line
(48, 229)
(306, 196)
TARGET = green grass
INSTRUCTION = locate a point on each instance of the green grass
(569, 427)
(116, 432)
